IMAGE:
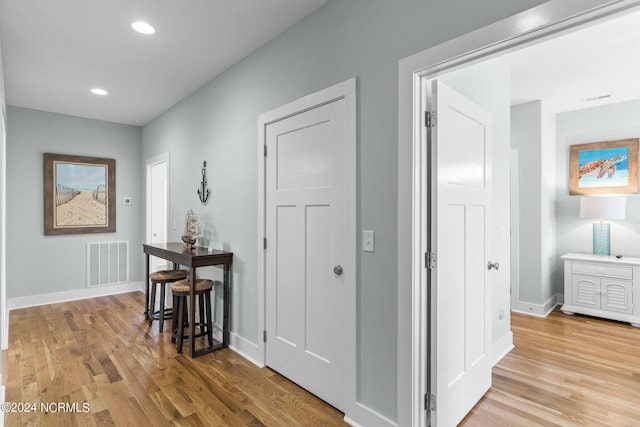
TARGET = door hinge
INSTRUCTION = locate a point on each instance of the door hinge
(264, 336)
(430, 401)
(430, 260)
(430, 119)
(264, 243)
(265, 150)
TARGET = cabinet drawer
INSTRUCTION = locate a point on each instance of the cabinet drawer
(603, 270)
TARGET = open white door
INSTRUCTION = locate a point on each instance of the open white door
(157, 205)
(461, 239)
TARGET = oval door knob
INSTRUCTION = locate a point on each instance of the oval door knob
(338, 270)
(491, 265)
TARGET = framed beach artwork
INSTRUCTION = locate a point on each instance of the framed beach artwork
(79, 194)
(609, 167)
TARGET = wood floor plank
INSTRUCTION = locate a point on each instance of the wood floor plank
(564, 371)
(102, 352)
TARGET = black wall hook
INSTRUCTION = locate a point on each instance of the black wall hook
(203, 191)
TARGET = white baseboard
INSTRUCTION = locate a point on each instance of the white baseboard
(72, 295)
(502, 347)
(538, 310)
(245, 348)
(362, 416)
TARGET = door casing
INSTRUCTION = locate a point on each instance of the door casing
(548, 20)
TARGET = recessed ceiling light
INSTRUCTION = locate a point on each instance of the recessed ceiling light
(143, 27)
(98, 91)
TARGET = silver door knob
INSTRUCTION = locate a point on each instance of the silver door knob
(337, 270)
(491, 265)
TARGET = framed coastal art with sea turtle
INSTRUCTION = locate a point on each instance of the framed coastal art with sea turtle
(609, 167)
(79, 194)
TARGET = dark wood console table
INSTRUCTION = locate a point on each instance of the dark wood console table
(198, 257)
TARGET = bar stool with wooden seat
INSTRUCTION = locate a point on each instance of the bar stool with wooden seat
(180, 291)
(162, 278)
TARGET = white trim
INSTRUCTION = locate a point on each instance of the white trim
(368, 417)
(533, 25)
(501, 348)
(245, 348)
(347, 91)
(538, 310)
(72, 295)
(514, 177)
(4, 312)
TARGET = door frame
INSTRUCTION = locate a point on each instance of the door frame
(347, 91)
(160, 158)
(548, 20)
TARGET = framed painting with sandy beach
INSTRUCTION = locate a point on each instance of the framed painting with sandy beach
(79, 194)
(609, 167)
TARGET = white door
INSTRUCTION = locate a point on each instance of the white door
(306, 240)
(461, 227)
(157, 174)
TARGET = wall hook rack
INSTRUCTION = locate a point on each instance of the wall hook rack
(203, 191)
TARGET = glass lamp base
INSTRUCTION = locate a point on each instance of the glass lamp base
(601, 239)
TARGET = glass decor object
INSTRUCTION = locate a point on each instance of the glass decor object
(602, 208)
(601, 238)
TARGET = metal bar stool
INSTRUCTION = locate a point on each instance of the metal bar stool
(180, 291)
(162, 277)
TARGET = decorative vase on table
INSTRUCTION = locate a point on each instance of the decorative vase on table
(191, 231)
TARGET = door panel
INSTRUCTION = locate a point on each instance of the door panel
(158, 207)
(461, 231)
(305, 218)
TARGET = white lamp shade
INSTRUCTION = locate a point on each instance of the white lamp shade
(603, 207)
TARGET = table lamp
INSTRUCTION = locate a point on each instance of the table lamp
(602, 208)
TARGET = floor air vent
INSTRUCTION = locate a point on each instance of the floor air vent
(107, 263)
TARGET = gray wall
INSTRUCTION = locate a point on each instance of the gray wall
(533, 135)
(574, 234)
(218, 123)
(38, 264)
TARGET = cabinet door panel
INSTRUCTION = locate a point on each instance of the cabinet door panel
(616, 295)
(586, 291)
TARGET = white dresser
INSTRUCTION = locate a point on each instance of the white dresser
(602, 286)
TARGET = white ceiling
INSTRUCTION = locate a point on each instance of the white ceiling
(565, 71)
(54, 52)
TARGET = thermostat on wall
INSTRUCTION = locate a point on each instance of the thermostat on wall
(126, 201)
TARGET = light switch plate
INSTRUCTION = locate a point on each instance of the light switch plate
(368, 240)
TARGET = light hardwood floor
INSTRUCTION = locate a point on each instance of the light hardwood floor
(101, 351)
(565, 370)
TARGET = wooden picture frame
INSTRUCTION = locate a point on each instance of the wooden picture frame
(608, 167)
(79, 194)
